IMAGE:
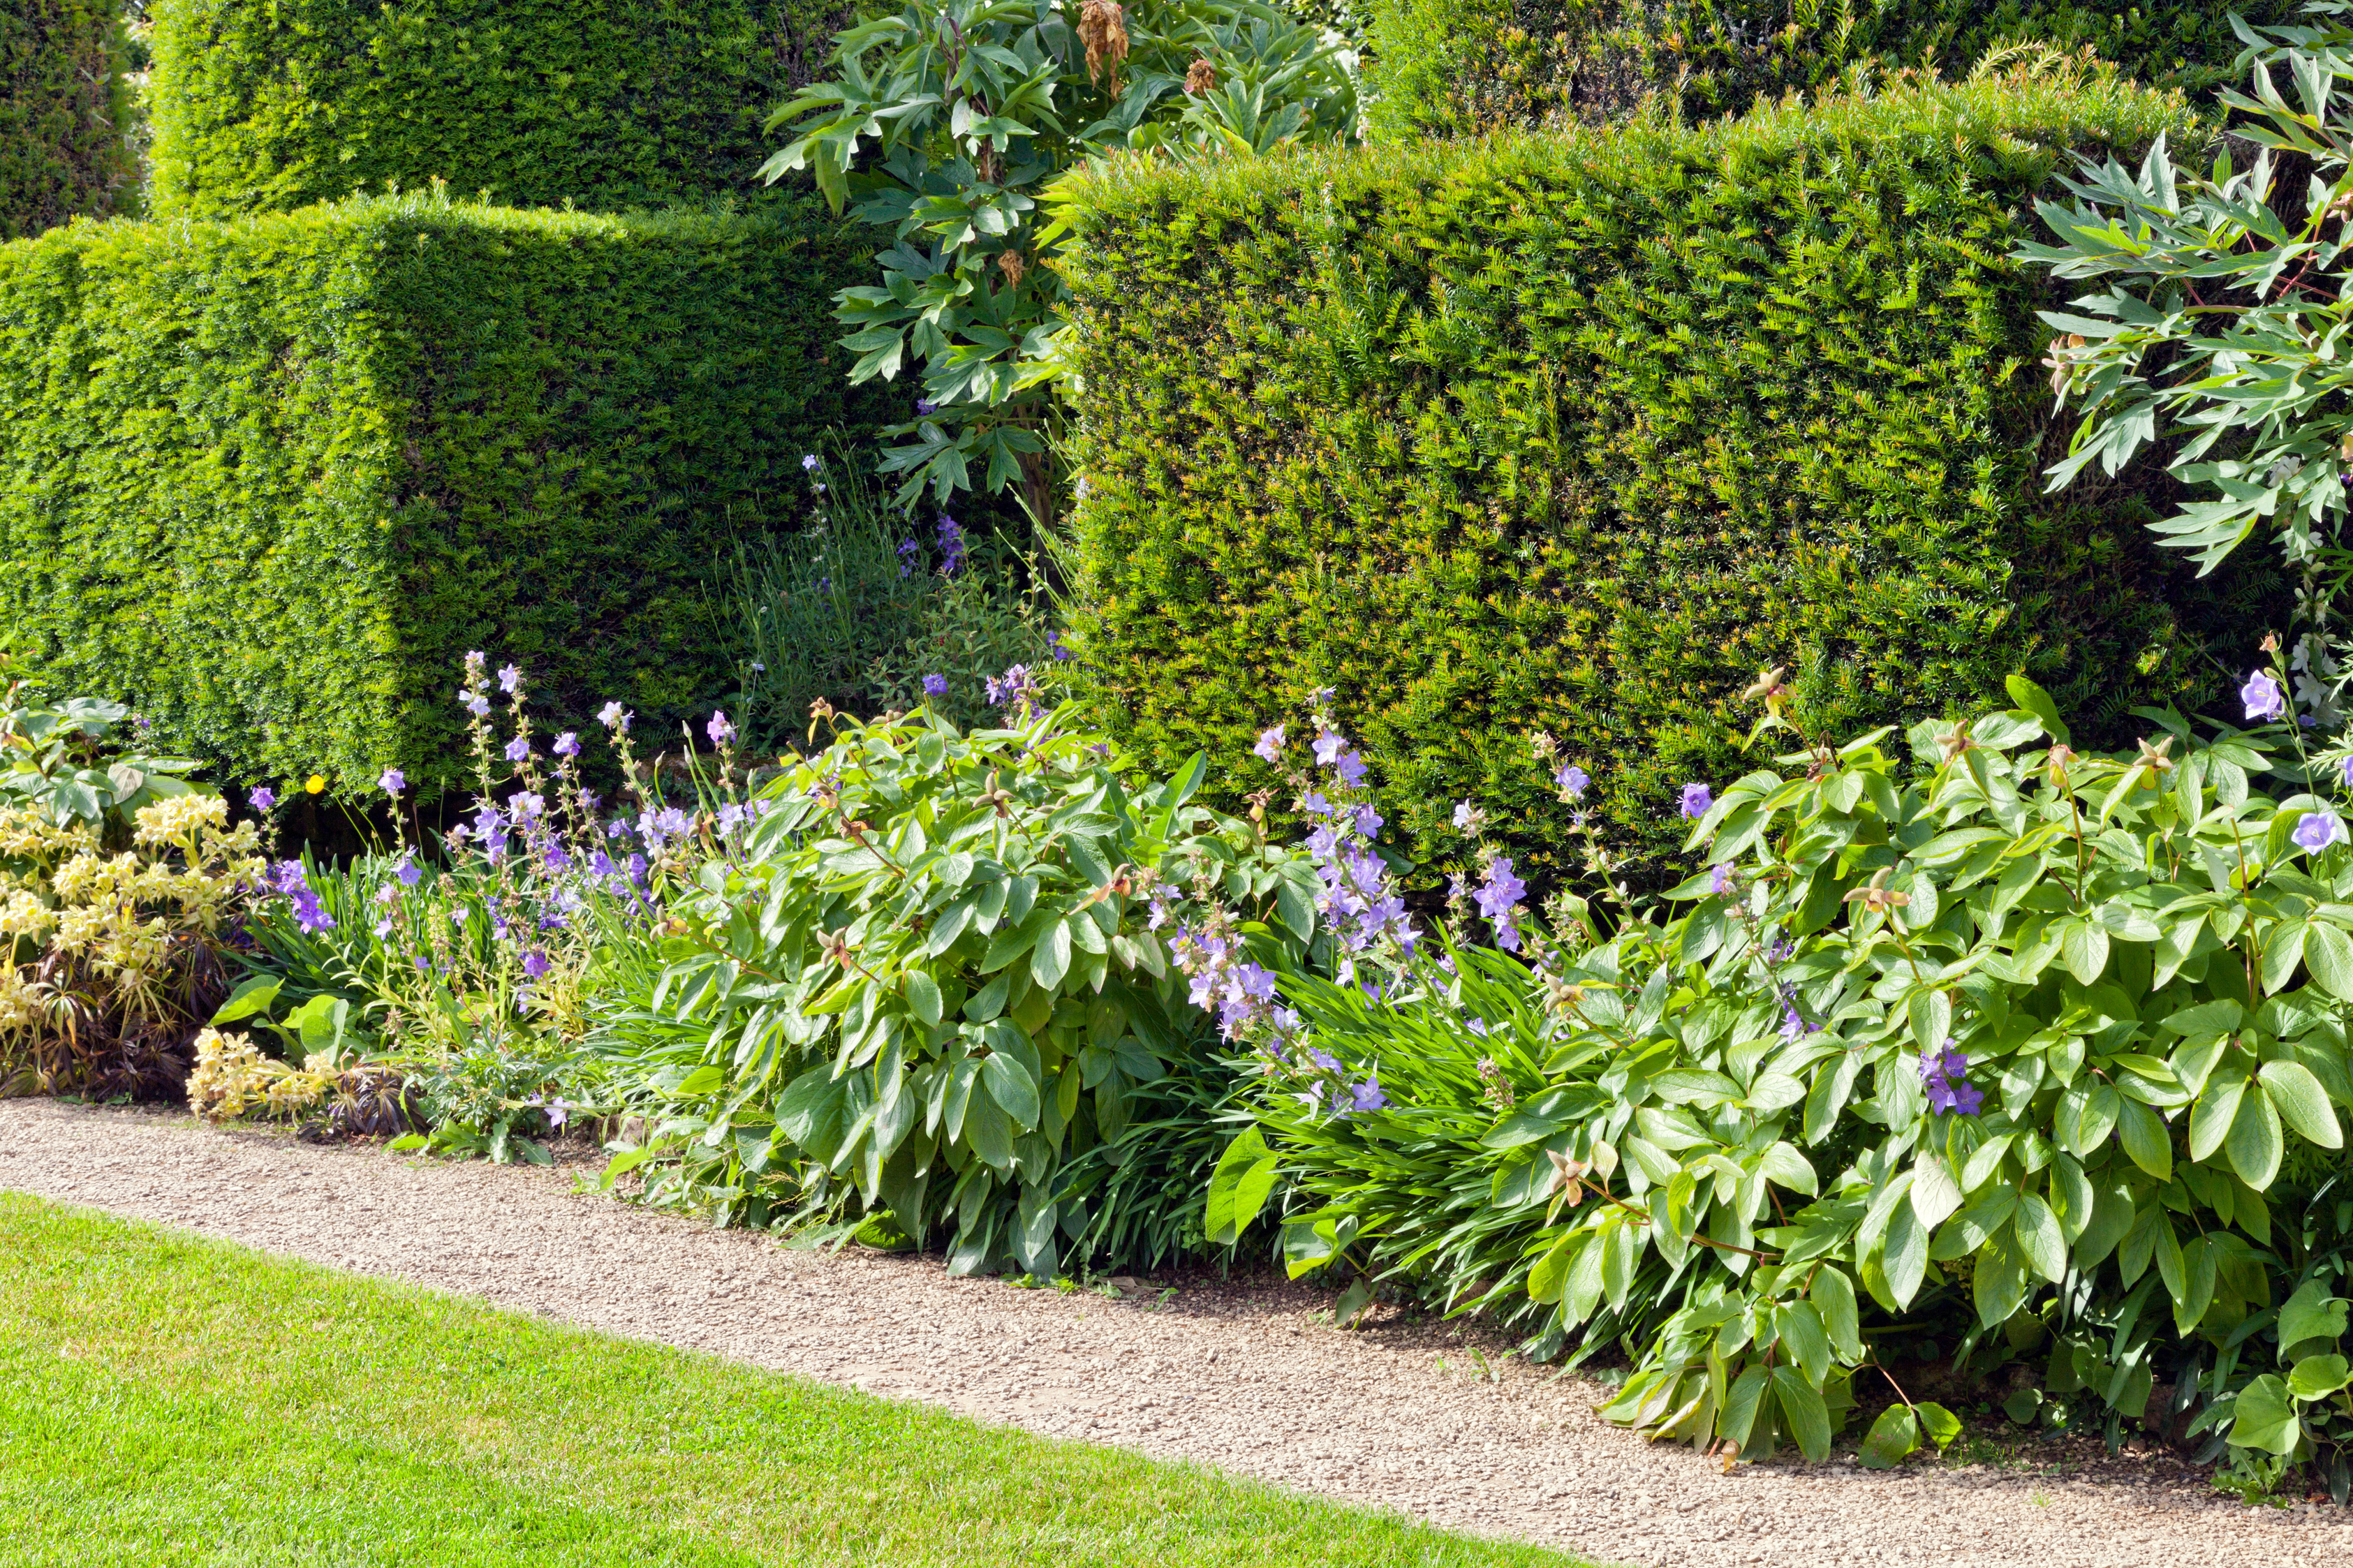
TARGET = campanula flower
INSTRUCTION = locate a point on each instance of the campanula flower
(393, 781)
(519, 748)
(263, 797)
(720, 731)
(509, 677)
(2318, 830)
(1573, 781)
(1697, 800)
(1270, 743)
(568, 744)
(2262, 696)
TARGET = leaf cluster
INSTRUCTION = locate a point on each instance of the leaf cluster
(2020, 1046)
(2222, 330)
(931, 982)
(948, 120)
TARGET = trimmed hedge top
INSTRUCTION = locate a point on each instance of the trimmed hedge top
(269, 480)
(1461, 66)
(1577, 432)
(271, 104)
(64, 114)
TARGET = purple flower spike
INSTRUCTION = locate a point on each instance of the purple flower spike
(1697, 800)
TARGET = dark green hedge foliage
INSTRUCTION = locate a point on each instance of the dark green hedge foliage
(64, 112)
(1456, 67)
(275, 103)
(1577, 432)
(269, 480)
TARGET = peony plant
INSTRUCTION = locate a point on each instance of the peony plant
(2043, 1047)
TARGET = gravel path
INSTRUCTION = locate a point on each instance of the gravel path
(1248, 1379)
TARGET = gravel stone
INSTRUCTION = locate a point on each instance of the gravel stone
(1245, 1374)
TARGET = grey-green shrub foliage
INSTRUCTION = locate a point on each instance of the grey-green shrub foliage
(2015, 1034)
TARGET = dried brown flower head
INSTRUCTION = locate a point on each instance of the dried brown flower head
(1200, 78)
(1010, 262)
(1102, 28)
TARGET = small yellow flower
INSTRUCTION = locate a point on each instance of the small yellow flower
(315, 783)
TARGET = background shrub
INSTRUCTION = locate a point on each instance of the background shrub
(269, 480)
(1575, 433)
(1457, 66)
(64, 112)
(638, 103)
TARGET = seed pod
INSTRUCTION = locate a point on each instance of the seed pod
(1102, 28)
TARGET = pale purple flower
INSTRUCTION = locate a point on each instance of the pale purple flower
(1368, 821)
(1350, 767)
(2262, 696)
(409, 871)
(1941, 1075)
(720, 731)
(2318, 830)
(1270, 743)
(262, 798)
(613, 717)
(1469, 818)
(1368, 1095)
(1328, 746)
(519, 748)
(527, 805)
(936, 686)
(568, 744)
(1500, 891)
(393, 781)
(1573, 781)
(1697, 800)
(2346, 767)
(1719, 881)
(534, 964)
(808, 462)
(477, 704)
(509, 677)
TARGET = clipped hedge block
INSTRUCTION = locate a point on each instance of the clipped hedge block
(64, 114)
(271, 104)
(1577, 432)
(269, 480)
(1452, 68)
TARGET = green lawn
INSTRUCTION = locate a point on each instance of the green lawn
(165, 1400)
